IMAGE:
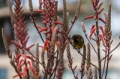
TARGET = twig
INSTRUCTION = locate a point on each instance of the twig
(34, 57)
(91, 44)
(33, 20)
(84, 31)
(111, 51)
(104, 66)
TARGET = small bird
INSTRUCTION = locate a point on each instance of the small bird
(77, 41)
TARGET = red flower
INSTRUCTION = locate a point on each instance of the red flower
(101, 38)
(32, 69)
(45, 45)
(101, 28)
(92, 30)
(88, 17)
(19, 64)
(17, 57)
(39, 11)
(17, 44)
(52, 28)
(41, 29)
(56, 22)
(28, 48)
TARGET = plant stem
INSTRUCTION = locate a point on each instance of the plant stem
(107, 62)
(98, 48)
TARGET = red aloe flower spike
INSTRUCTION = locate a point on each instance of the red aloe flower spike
(19, 64)
(56, 22)
(91, 32)
(18, 57)
(110, 57)
(101, 28)
(45, 45)
(32, 69)
(39, 11)
(31, 58)
(52, 28)
(100, 11)
(101, 20)
(100, 5)
(17, 44)
(101, 38)
(88, 17)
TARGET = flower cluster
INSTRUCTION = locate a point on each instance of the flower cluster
(93, 30)
(20, 30)
(27, 65)
(23, 63)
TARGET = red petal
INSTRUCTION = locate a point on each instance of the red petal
(24, 71)
(39, 11)
(101, 28)
(43, 29)
(101, 20)
(28, 48)
(24, 55)
(44, 22)
(31, 58)
(100, 11)
(45, 45)
(88, 17)
(17, 75)
(101, 37)
(17, 44)
(39, 27)
(100, 5)
(17, 57)
(93, 26)
(19, 64)
(32, 69)
(26, 40)
(52, 28)
(92, 31)
(56, 22)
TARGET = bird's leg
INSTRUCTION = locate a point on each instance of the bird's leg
(79, 51)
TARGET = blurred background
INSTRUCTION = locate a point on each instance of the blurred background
(6, 70)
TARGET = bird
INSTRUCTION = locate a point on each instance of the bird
(77, 41)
